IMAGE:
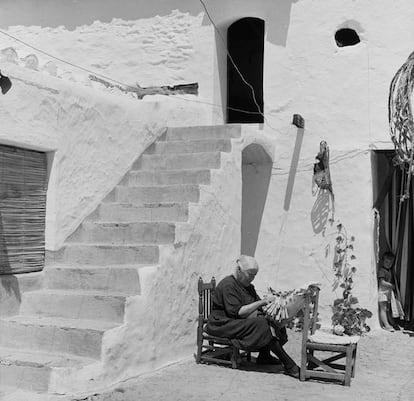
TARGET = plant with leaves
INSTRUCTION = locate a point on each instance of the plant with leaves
(348, 317)
(343, 264)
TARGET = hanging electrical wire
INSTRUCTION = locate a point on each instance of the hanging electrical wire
(259, 111)
(231, 59)
(37, 49)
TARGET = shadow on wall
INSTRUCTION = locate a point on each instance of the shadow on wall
(256, 174)
(293, 168)
(320, 211)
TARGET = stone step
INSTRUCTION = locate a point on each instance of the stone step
(124, 233)
(203, 132)
(192, 146)
(55, 335)
(96, 254)
(178, 161)
(127, 212)
(74, 304)
(166, 177)
(109, 279)
(14, 394)
(157, 194)
(30, 370)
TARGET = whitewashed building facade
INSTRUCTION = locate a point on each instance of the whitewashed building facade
(254, 193)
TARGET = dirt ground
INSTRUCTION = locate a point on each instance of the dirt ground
(384, 372)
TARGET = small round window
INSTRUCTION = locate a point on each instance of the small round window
(346, 37)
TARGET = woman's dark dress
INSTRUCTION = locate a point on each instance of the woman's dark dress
(249, 334)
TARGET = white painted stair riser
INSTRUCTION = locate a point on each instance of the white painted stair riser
(162, 194)
(113, 279)
(125, 233)
(210, 160)
(75, 304)
(53, 335)
(109, 254)
(166, 177)
(126, 212)
(193, 146)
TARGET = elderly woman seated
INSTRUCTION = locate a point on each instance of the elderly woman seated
(237, 314)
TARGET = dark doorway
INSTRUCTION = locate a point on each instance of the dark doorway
(256, 174)
(395, 224)
(245, 40)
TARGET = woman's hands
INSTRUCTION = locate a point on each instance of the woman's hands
(247, 310)
(268, 299)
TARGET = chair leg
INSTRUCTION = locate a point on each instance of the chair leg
(234, 357)
(354, 361)
(303, 365)
(348, 365)
(199, 350)
(249, 356)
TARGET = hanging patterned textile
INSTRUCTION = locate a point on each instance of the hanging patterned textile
(321, 172)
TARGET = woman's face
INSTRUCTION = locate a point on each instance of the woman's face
(245, 277)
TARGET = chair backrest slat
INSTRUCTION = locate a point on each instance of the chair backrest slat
(206, 296)
(315, 302)
(310, 318)
(205, 293)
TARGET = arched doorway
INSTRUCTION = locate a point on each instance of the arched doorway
(245, 40)
(256, 174)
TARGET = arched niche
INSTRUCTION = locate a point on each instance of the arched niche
(245, 41)
(256, 174)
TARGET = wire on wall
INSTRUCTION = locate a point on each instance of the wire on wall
(37, 49)
(235, 66)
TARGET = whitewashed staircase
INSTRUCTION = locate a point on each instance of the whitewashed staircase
(86, 287)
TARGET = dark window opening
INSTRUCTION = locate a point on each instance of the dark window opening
(245, 40)
(346, 37)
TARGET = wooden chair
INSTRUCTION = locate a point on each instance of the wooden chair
(338, 347)
(210, 348)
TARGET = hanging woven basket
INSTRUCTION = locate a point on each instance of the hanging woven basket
(400, 114)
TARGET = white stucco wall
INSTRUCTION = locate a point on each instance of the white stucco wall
(94, 138)
(205, 246)
(341, 92)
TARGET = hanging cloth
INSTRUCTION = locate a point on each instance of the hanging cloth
(321, 172)
(5, 84)
(396, 307)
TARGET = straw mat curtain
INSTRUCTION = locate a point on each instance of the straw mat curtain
(23, 185)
